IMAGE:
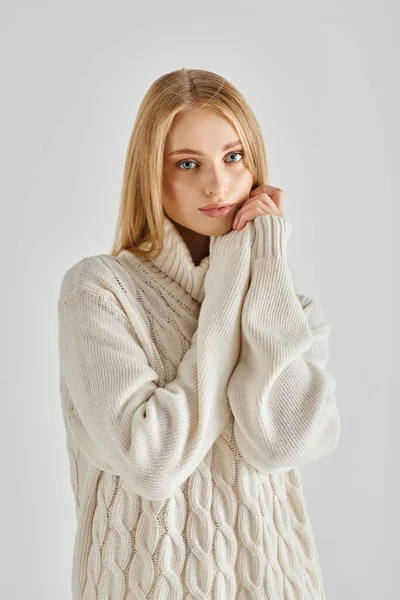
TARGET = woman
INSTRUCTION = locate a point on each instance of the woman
(192, 374)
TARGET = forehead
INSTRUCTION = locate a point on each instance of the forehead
(201, 129)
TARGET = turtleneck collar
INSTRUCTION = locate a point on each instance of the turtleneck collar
(176, 261)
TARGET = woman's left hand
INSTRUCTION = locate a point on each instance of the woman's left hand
(264, 199)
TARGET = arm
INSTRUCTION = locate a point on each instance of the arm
(282, 399)
(153, 437)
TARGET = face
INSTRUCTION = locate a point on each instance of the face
(208, 173)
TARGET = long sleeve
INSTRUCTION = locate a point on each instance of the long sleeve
(282, 398)
(153, 437)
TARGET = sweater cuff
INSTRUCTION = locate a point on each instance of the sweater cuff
(231, 242)
(271, 235)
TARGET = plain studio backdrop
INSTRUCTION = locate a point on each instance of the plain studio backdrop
(322, 79)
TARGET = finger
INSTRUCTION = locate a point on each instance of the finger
(268, 189)
(277, 194)
(280, 202)
(244, 202)
(249, 215)
(270, 202)
(266, 200)
(253, 203)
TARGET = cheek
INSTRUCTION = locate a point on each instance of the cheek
(181, 187)
(243, 179)
(175, 181)
(177, 190)
(174, 188)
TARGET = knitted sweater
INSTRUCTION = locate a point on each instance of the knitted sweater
(191, 395)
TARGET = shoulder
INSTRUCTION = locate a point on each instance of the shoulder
(97, 273)
(88, 271)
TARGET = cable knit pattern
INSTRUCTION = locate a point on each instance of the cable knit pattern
(191, 395)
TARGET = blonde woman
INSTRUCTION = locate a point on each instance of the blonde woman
(192, 373)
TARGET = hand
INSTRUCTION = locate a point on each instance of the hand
(264, 199)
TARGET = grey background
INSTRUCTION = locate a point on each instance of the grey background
(322, 78)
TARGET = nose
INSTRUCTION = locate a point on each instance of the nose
(216, 184)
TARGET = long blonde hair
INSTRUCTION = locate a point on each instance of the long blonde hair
(141, 212)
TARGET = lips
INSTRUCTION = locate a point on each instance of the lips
(218, 205)
(219, 211)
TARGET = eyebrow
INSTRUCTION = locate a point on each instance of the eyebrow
(191, 151)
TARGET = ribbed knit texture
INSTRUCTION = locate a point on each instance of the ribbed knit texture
(191, 395)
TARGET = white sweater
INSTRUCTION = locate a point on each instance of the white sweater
(191, 396)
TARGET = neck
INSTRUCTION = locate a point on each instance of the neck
(197, 243)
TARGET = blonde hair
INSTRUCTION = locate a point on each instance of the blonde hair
(141, 212)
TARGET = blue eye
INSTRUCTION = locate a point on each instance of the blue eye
(238, 153)
(185, 161)
(179, 164)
